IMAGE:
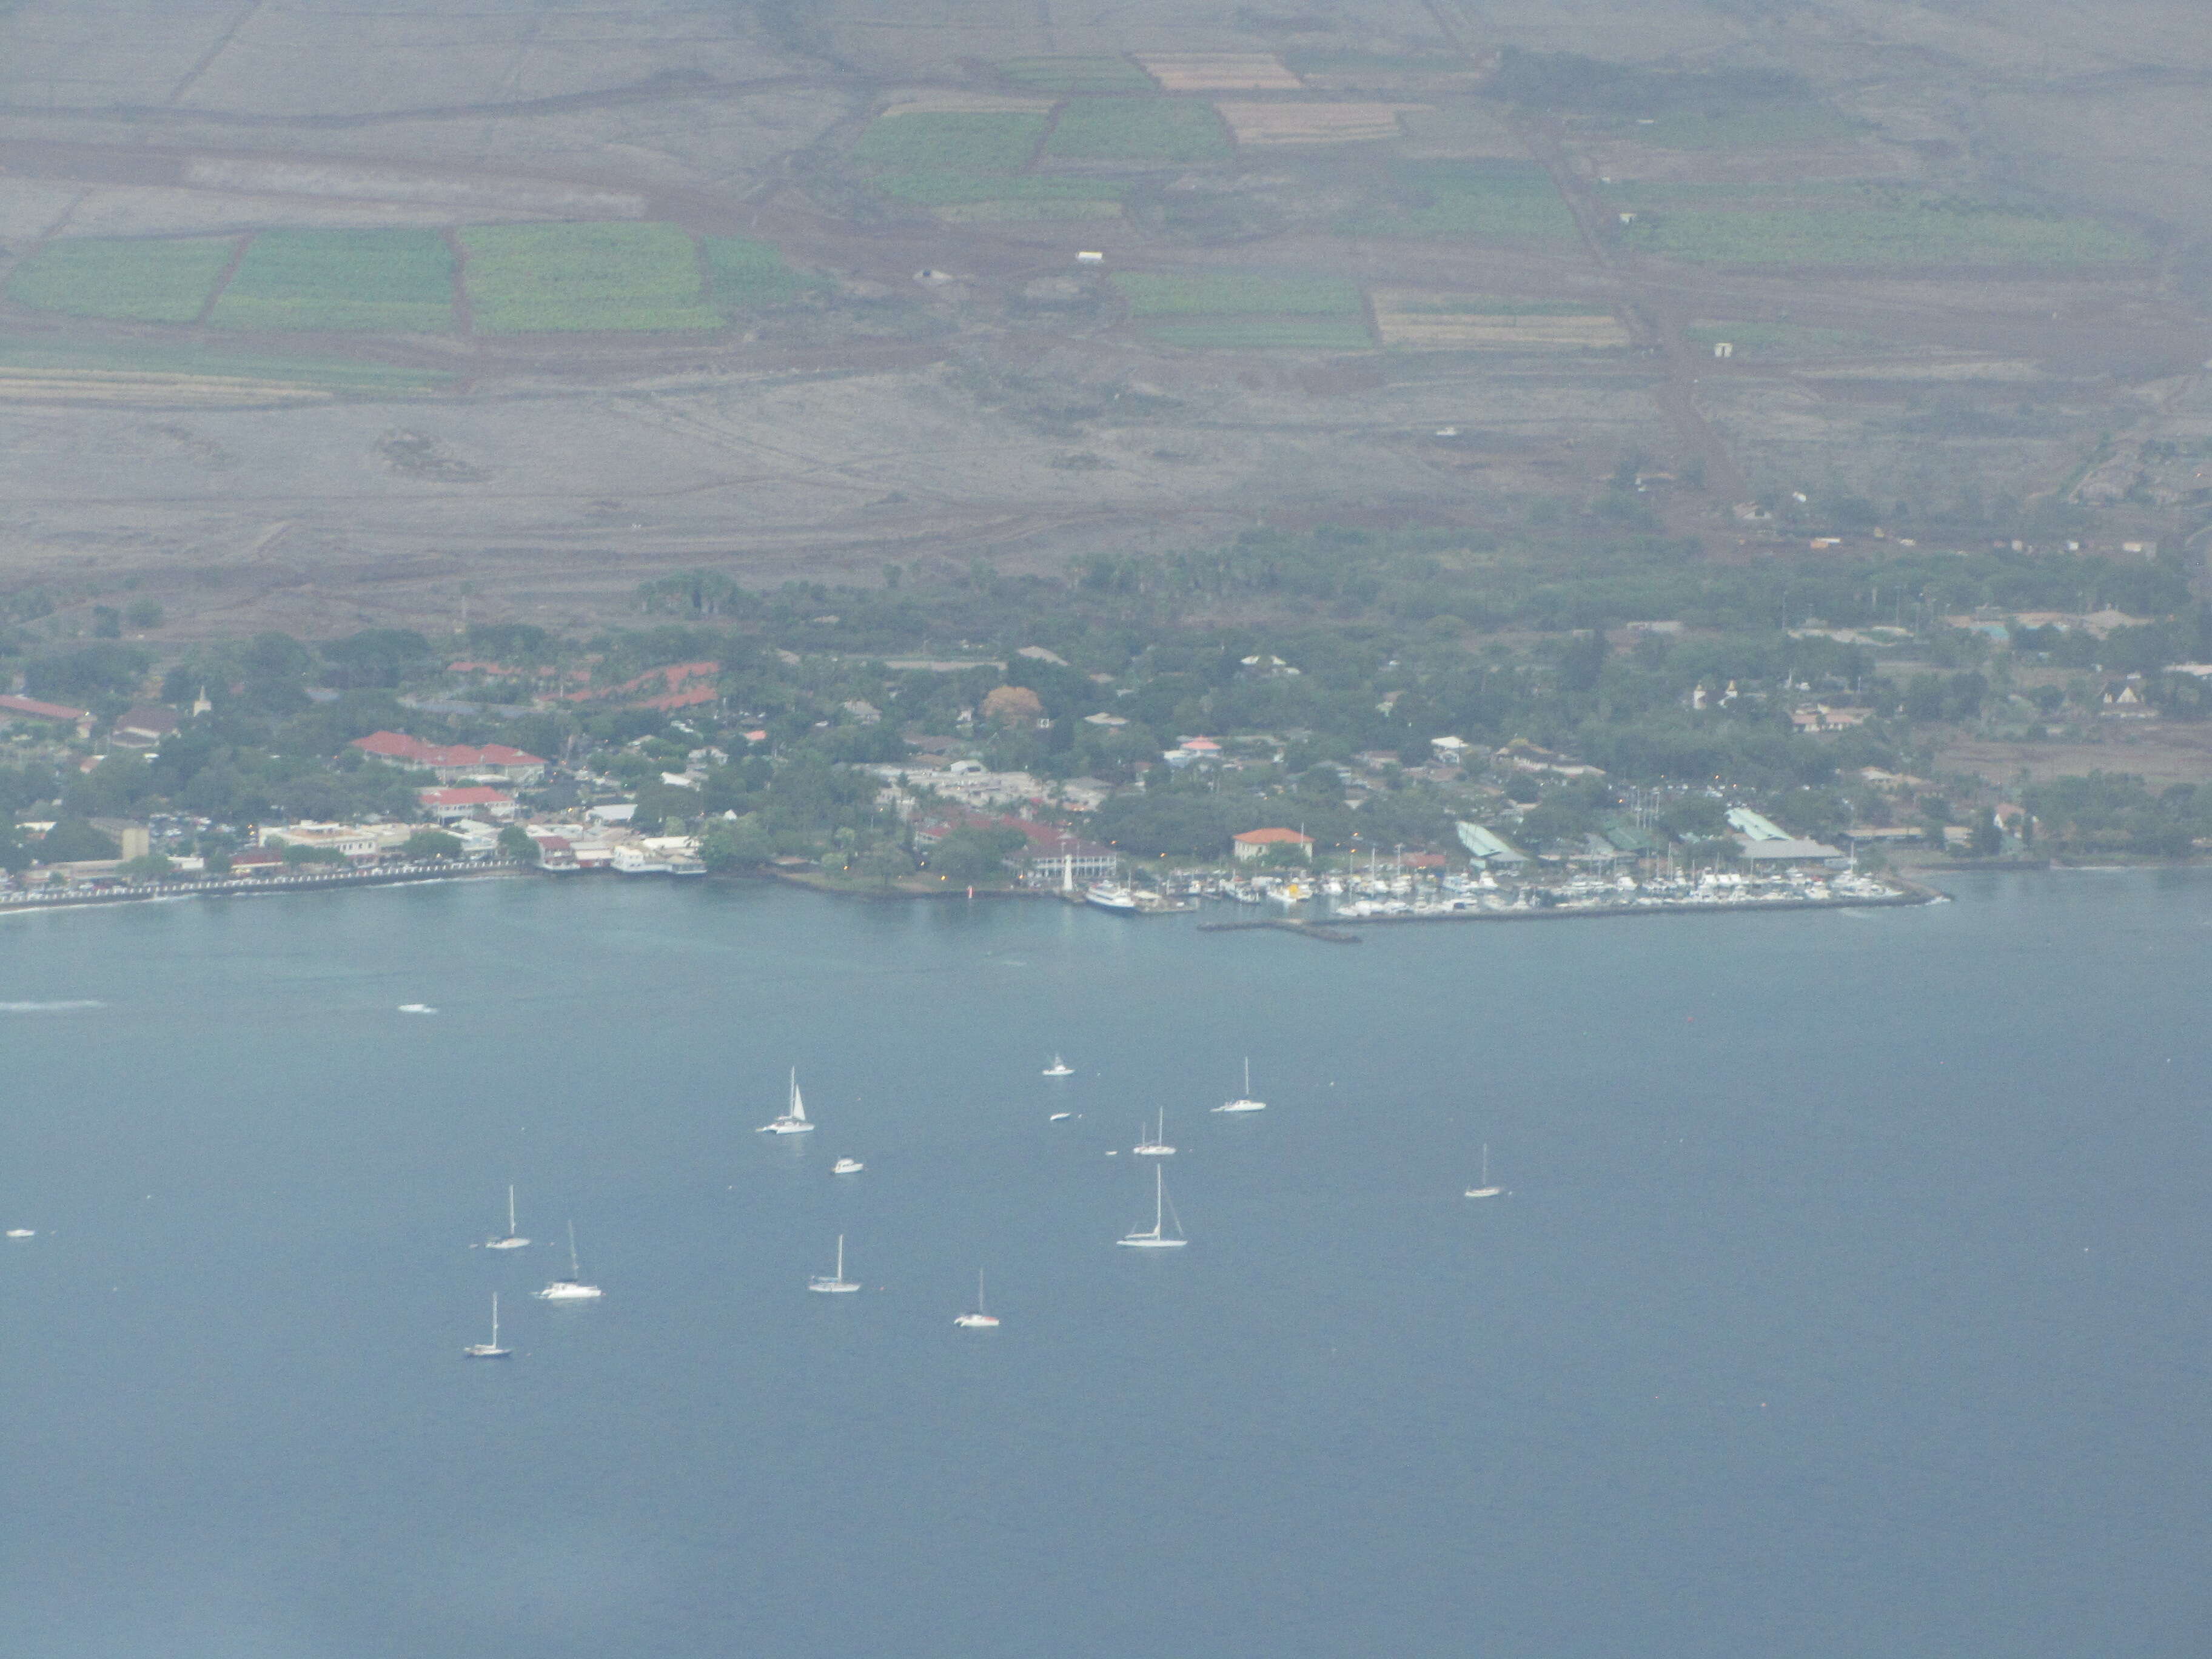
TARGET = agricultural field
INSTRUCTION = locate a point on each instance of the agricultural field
(1228, 311)
(1756, 342)
(151, 279)
(1499, 201)
(746, 274)
(138, 371)
(1907, 232)
(951, 141)
(1776, 126)
(1075, 74)
(529, 279)
(1216, 293)
(1138, 130)
(1271, 125)
(1409, 319)
(395, 281)
(1219, 72)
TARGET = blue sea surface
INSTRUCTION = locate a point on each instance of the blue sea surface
(1849, 1298)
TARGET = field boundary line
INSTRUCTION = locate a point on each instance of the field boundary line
(223, 282)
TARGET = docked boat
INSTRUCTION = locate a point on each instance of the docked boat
(979, 1319)
(509, 1240)
(1158, 1145)
(1157, 1238)
(837, 1284)
(1485, 1190)
(1059, 1068)
(1112, 895)
(794, 1120)
(573, 1288)
(490, 1350)
(1244, 1102)
(846, 1166)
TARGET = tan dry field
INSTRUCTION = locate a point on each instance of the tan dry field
(1219, 72)
(2158, 754)
(1410, 318)
(147, 390)
(1267, 125)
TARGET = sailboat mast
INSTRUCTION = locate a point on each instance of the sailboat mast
(510, 1209)
(575, 1271)
(1159, 1198)
(494, 1319)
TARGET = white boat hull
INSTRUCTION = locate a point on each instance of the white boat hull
(1241, 1106)
(977, 1321)
(1485, 1192)
(846, 1166)
(1150, 1244)
(565, 1292)
(784, 1126)
(505, 1243)
(485, 1350)
(832, 1286)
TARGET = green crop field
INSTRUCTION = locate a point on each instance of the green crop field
(745, 272)
(1484, 201)
(1933, 234)
(303, 280)
(1138, 130)
(1257, 333)
(1230, 294)
(1076, 74)
(1750, 124)
(950, 142)
(156, 280)
(940, 189)
(143, 357)
(527, 279)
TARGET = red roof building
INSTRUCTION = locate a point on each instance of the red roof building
(452, 761)
(31, 708)
(1253, 844)
(469, 801)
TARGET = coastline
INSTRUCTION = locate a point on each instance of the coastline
(257, 886)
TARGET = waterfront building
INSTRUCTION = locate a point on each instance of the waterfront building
(1258, 843)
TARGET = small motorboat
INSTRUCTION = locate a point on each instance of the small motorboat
(846, 1166)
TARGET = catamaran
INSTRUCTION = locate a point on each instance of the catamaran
(837, 1284)
(1158, 1145)
(509, 1240)
(979, 1319)
(1485, 1190)
(794, 1120)
(573, 1288)
(1157, 1239)
(490, 1350)
(1244, 1102)
(1059, 1068)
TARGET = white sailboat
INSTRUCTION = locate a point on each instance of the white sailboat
(1244, 1102)
(1485, 1190)
(573, 1288)
(979, 1319)
(1158, 1239)
(1158, 1145)
(490, 1350)
(509, 1240)
(794, 1120)
(1059, 1068)
(837, 1284)
(846, 1166)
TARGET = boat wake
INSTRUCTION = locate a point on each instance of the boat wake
(69, 1007)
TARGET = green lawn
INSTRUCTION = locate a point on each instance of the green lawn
(525, 279)
(1905, 234)
(1076, 74)
(1256, 333)
(1477, 201)
(950, 142)
(1138, 130)
(745, 272)
(381, 281)
(1232, 293)
(151, 279)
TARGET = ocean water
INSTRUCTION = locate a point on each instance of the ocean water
(1849, 1298)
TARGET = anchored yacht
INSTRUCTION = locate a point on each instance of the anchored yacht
(573, 1288)
(490, 1350)
(837, 1284)
(1244, 1102)
(1059, 1068)
(979, 1319)
(1157, 1239)
(1485, 1190)
(509, 1240)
